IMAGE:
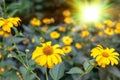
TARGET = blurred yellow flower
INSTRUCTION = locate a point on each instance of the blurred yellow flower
(74, 30)
(109, 31)
(46, 21)
(67, 49)
(84, 33)
(109, 23)
(2, 70)
(62, 29)
(105, 56)
(33, 40)
(68, 20)
(47, 55)
(9, 48)
(117, 29)
(67, 40)
(1, 55)
(66, 13)
(100, 33)
(78, 45)
(44, 28)
(54, 35)
(99, 25)
(35, 22)
(1, 32)
(8, 23)
(6, 34)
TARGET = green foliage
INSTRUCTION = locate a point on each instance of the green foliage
(58, 71)
(16, 50)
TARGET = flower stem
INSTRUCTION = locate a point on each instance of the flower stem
(21, 59)
(46, 73)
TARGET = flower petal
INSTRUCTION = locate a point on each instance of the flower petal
(37, 52)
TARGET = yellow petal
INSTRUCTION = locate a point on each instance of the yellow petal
(47, 43)
(37, 52)
(49, 62)
(56, 46)
(41, 60)
(54, 59)
(59, 51)
(98, 58)
(58, 57)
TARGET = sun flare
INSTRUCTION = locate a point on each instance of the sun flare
(91, 13)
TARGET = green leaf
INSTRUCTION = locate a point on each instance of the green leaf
(51, 29)
(11, 75)
(115, 71)
(26, 74)
(58, 71)
(75, 70)
(86, 65)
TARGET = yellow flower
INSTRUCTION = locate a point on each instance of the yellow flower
(105, 57)
(99, 25)
(109, 23)
(2, 70)
(67, 49)
(68, 20)
(54, 35)
(117, 29)
(46, 21)
(15, 21)
(84, 33)
(47, 55)
(78, 45)
(74, 30)
(109, 31)
(66, 13)
(62, 29)
(6, 34)
(1, 32)
(8, 23)
(67, 40)
(35, 22)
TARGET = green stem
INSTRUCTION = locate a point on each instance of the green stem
(21, 59)
(4, 8)
(46, 73)
(86, 72)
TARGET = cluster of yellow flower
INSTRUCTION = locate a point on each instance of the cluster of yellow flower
(36, 22)
(7, 24)
(68, 19)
